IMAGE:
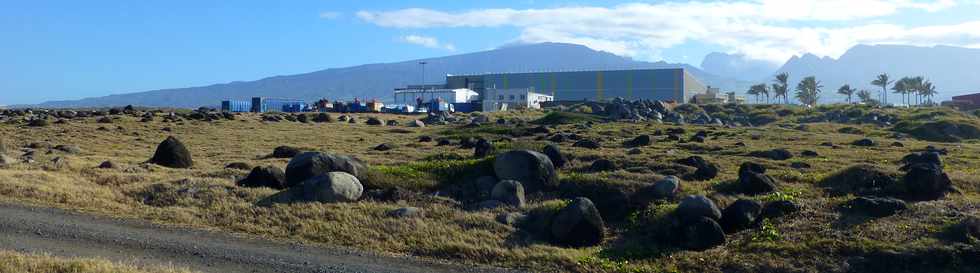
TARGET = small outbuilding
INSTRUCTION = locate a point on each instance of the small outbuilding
(513, 98)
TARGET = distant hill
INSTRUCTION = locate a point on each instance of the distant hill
(952, 69)
(737, 66)
(378, 80)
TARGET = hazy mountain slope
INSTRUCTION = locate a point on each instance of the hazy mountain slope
(951, 69)
(737, 66)
(378, 80)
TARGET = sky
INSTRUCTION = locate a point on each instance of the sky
(54, 50)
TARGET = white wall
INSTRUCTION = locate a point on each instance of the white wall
(451, 96)
(514, 99)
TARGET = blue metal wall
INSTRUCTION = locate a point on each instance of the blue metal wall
(657, 84)
(236, 106)
(283, 105)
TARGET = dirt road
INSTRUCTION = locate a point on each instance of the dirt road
(62, 233)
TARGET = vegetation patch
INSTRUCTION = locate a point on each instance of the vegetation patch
(943, 130)
(24, 263)
(863, 179)
(560, 117)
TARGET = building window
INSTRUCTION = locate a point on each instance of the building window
(523, 97)
(511, 97)
(501, 97)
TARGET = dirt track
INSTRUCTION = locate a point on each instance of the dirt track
(62, 233)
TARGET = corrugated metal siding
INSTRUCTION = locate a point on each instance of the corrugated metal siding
(659, 84)
(236, 106)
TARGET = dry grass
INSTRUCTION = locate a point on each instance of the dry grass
(205, 196)
(13, 262)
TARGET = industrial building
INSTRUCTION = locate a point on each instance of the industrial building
(653, 84)
(261, 105)
(964, 102)
(497, 99)
(713, 95)
(410, 96)
(530, 89)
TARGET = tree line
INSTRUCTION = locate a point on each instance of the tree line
(914, 90)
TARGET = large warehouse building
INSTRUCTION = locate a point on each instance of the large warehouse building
(655, 84)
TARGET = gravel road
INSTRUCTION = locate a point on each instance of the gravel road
(61, 233)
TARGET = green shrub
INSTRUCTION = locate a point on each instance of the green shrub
(767, 232)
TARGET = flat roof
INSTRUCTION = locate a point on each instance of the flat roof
(562, 71)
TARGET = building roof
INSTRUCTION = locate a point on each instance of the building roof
(967, 97)
(561, 71)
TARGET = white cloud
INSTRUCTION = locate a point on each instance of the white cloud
(770, 30)
(426, 41)
(330, 15)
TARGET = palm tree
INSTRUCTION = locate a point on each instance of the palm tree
(847, 91)
(764, 90)
(781, 87)
(903, 86)
(808, 91)
(865, 96)
(759, 90)
(755, 92)
(916, 85)
(928, 90)
(883, 81)
(776, 92)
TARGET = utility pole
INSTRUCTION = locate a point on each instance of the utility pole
(422, 84)
(422, 63)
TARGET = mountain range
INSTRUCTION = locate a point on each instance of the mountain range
(737, 66)
(377, 81)
(950, 68)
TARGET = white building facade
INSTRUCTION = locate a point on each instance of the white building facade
(460, 95)
(514, 98)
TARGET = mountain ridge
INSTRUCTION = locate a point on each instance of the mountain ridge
(946, 66)
(377, 80)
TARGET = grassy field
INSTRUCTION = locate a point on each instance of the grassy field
(11, 262)
(821, 238)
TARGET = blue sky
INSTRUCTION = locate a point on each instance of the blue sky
(73, 49)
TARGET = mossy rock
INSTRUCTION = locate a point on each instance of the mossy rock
(556, 118)
(944, 130)
(863, 179)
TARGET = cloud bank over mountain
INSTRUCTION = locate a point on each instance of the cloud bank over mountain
(768, 30)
